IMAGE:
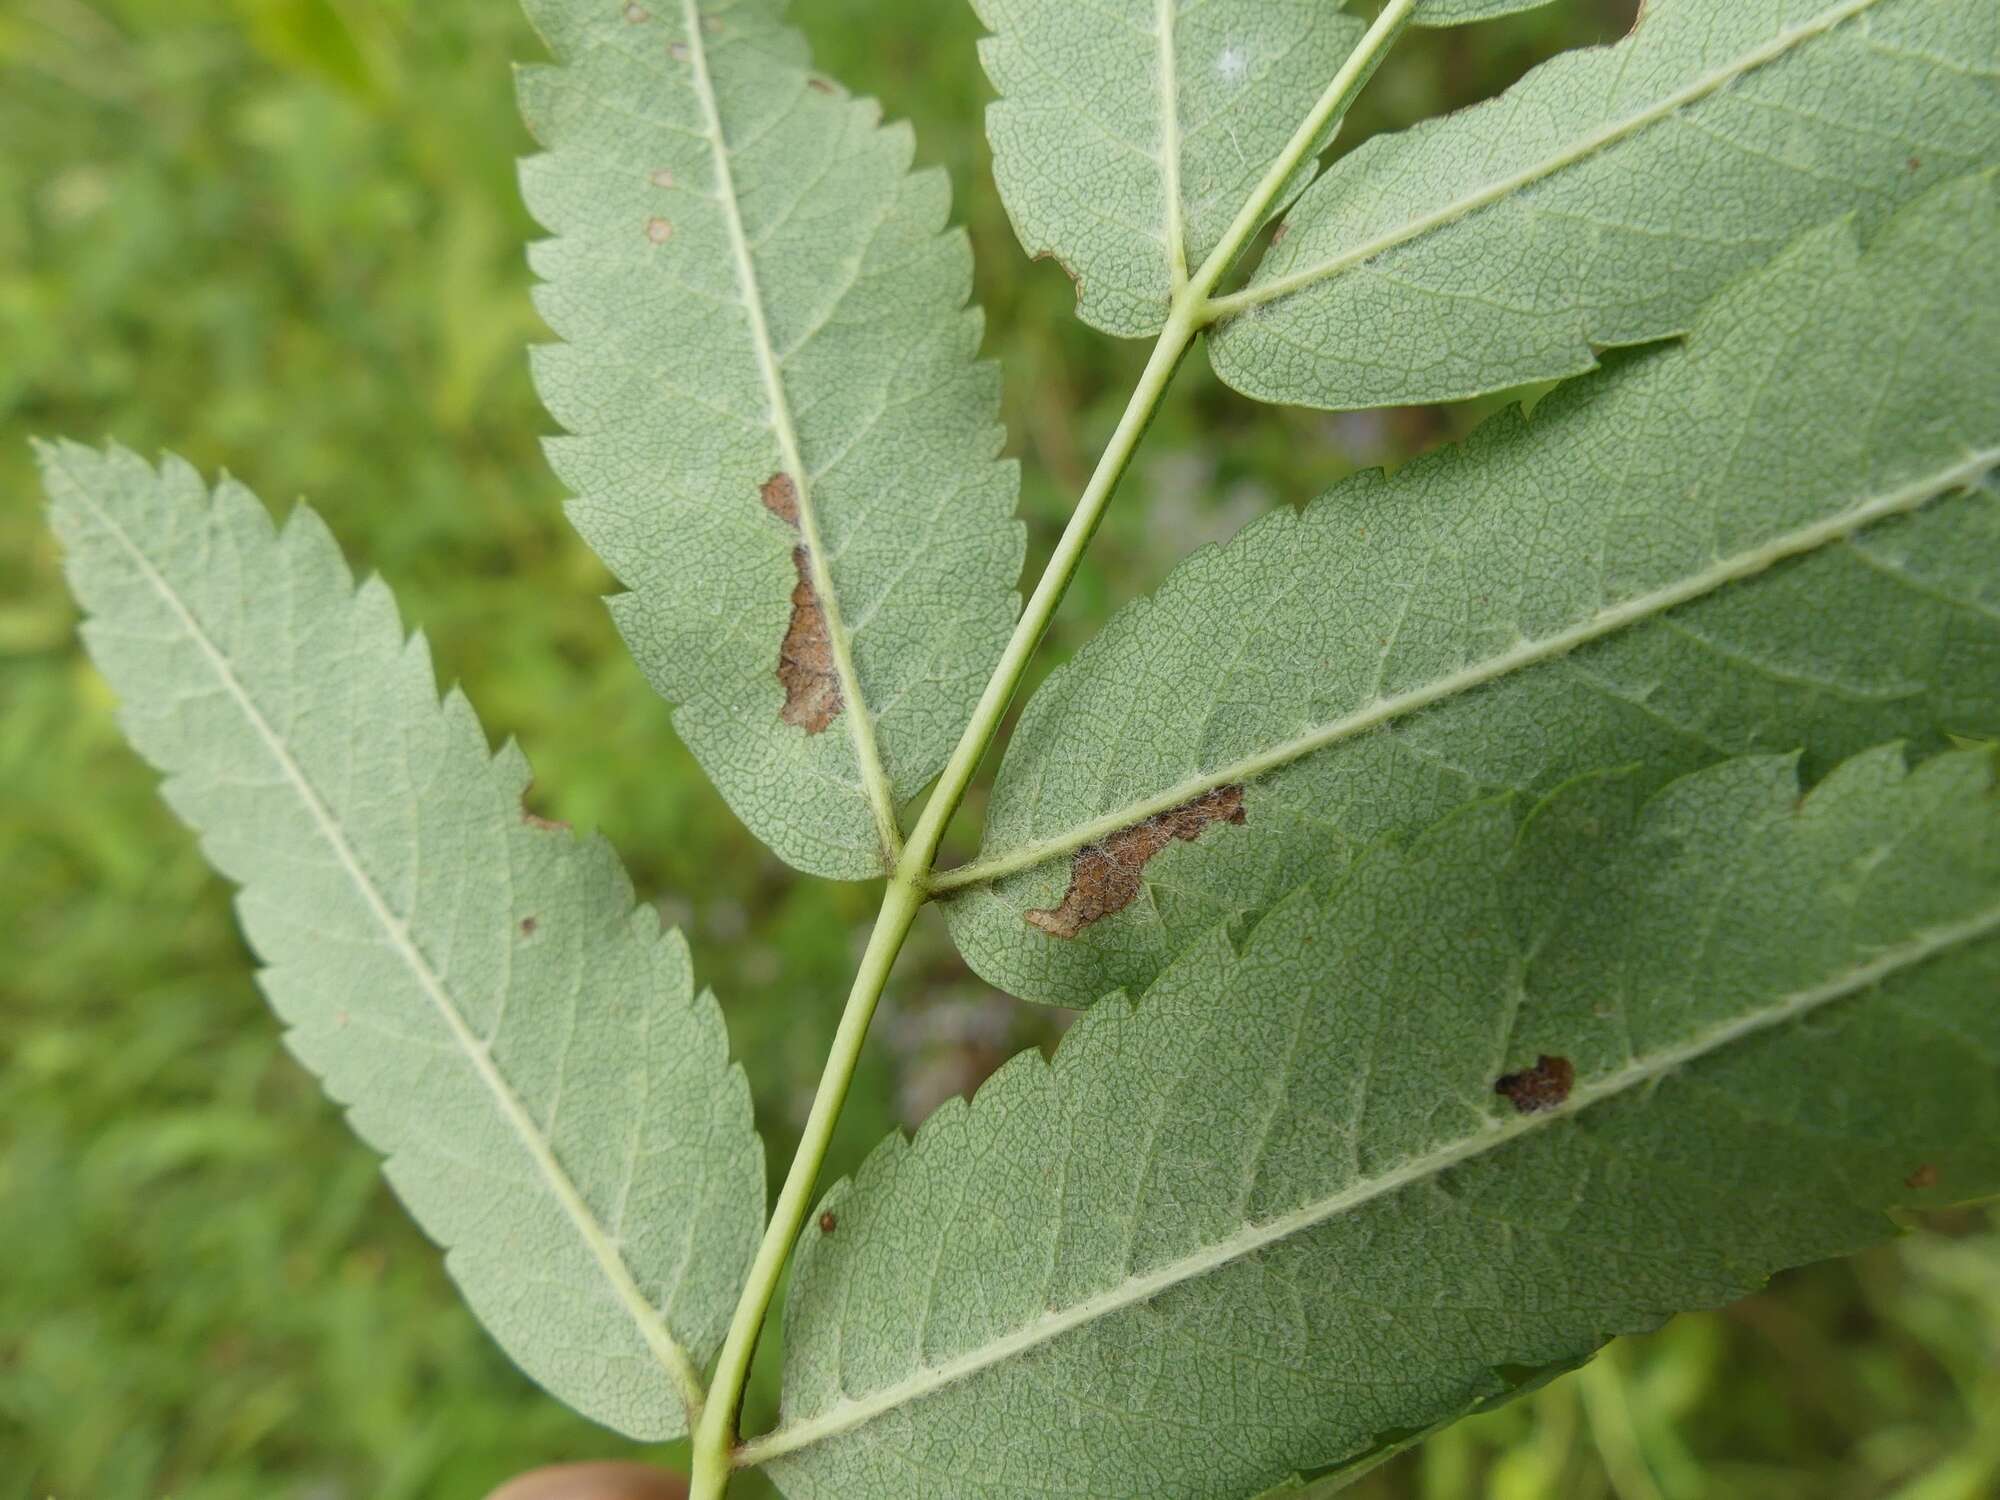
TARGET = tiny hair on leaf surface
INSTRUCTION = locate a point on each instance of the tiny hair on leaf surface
(1275, 1208)
(1607, 195)
(804, 324)
(523, 1044)
(1771, 536)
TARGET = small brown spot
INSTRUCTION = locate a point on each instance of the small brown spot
(805, 659)
(661, 177)
(1105, 877)
(527, 927)
(1544, 1086)
(1925, 1176)
(819, 85)
(1913, 164)
(781, 498)
(712, 25)
(635, 13)
(827, 1222)
(678, 51)
(659, 231)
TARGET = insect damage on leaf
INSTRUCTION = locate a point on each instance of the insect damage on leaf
(805, 658)
(1544, 1086)
(1105, 877)
(827, 1222)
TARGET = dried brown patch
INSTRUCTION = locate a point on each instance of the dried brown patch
(781, 498)
(1925, 1176)
(1105, 877)
(827, 1222)
(1544, 1086)
(806, 667)
(805, 659)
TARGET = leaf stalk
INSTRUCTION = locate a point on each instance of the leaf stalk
(716, 1452)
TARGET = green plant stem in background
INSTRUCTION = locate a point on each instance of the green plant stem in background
(714, 1445)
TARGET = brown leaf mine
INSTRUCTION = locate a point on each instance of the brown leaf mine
(806, 667)
(781, 498)
(1544, 1086)
(1105, 877)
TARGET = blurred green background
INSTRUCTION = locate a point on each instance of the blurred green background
(283, 236)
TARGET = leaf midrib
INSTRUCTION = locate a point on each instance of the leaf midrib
(1526, 654)
(852, 1413)
(855, 709)
(603, 1249)
(1259, 293)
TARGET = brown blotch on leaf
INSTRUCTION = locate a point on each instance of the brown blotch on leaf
(1544, 1086)
(805, 659)
(659, 231)
(806, 667)
(1925, 1176)
(528, 925)
(781, 498)
(827, 1222)
(1105, 877)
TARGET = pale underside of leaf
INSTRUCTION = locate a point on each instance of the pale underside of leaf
(1607, 195)
(1129, 133)
(1463, 12)
(1769, 538)
(1285, 1206)
(555, 1102)
(777, 432)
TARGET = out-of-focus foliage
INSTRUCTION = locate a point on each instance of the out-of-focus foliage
(283, 237)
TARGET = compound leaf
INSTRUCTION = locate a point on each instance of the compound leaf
(1759, 540)
(1534, 1080)
(1128, 133)
(476, 987)
(1608, 195)
(777, 433)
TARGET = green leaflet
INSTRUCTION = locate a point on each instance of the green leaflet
(777, 432)
(1461, 12)
(1758, 540)
(477, 989)
(1531, 1082)
(1129, 133)
(1609, 194)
